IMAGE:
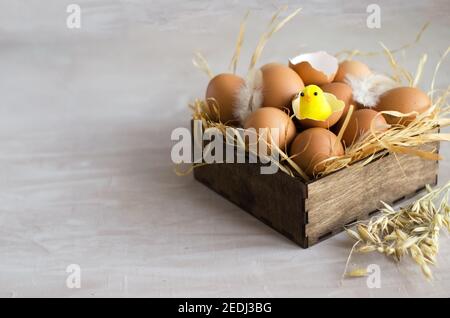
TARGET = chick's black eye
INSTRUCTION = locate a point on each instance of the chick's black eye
(315, 93)
(302, 94)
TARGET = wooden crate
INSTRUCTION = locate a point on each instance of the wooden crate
(309, 212)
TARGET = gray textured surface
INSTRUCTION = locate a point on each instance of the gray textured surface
(85, 175)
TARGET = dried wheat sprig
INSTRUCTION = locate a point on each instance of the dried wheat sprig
(412, 230)
(358, 272)
(201, 63)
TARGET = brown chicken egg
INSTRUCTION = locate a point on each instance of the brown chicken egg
(342, 92)
(280, 85)
(224, 89)
(360, 123)
(403, 100)
(351, 67)
(273, 118)
(312, 146)
(316, 68)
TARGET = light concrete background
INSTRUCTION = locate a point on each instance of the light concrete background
(85, 171)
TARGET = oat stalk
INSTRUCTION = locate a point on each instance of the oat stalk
(411, 231)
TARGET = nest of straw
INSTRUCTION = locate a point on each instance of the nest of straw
(398, 139)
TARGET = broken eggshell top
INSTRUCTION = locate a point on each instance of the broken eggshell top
(317, 68)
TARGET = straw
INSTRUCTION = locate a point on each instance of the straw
(239, 42)
(200, 62)
(273, 28)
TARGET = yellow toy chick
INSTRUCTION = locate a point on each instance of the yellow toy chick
(313, 103)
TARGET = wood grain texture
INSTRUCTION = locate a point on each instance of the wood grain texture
(352, 193)
(277, 200)
(309, 213)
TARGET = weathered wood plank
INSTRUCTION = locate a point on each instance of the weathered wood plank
(277, 200)
(353, 193)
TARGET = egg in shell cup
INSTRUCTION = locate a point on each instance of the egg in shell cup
(315, 108)
(365, 111)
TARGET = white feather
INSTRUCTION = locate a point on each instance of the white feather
(250, 96)
(367, 90)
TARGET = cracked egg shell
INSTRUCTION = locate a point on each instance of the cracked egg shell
(271, 117)
(280, 85)
(224, 88)
(313, 146)
(342, 92)
(316, 68)
(332, 120)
